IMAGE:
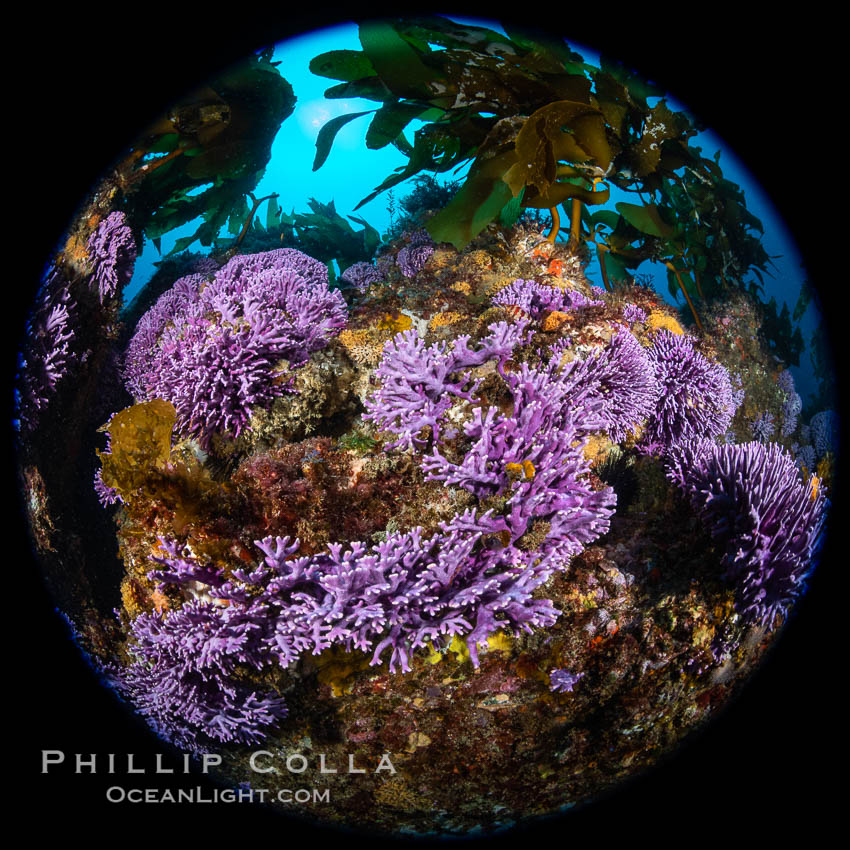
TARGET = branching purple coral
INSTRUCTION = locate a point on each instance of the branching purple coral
(612, 390)
(793, 404)
(478, 572)
(738, 391)
(696, 397)
(143, 350)
(417, 388)
(533, 459)
(533, 298)
(563, 681)
(790, 413)
(767, 520)
(204, 266)
(403, 593)
(621, 376)
(412, 258)
(633, 313)
(529, 296)
(824, 432)
(786, 381)
(48, 355)
(211, 347)
(182, 680)
(361, 276)
(112, 254)
(105, 495)
(763, 427)
(805, 457)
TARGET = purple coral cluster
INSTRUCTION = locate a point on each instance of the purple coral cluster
(805, 456)
(534, 298)
(768, 522)
(621, 377)
(416, 386)
(531, 458)
(791, 409)
(412, 258)
(211, 344)
(824, 430)
(616, 384)
(361, 276)
(786, 381)
(410, 589)
(182, 679)
(472, 576)
(48, 354)
(763, 427)
(112, 255)
(105, 495)
(403, 593)
(211, 347)
(633, 313)
(792, 405)
(696, 398)
(563, 681)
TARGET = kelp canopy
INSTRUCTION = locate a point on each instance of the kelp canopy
(541, 127)
(207, 153)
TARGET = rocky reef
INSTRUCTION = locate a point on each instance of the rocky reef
(470, 516)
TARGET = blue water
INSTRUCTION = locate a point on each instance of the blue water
(352, 171)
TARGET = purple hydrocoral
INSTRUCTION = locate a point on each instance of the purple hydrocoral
(361, 276)
(48, 355)
(412, 258)
(143, 354)
(532, 459)
(419, 384)
(210, 347)
(182, 679)
(563, 681)
(622, 378)
(533, 298)
(105, 495)
(738, 391)
(696, 398)
(790, 413)
(793, 404)
(805, 456)
(786, 381)
(476, 573)
(204, 266)
(633, 313)
(767, 520)
(824, 429)
(416, 384)
(763, 427)
(408, 590)
(112, 254)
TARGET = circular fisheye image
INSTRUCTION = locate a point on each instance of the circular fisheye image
(430, 416)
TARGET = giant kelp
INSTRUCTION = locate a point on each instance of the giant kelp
(322, 233)
(202, 157)
(540, 127)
